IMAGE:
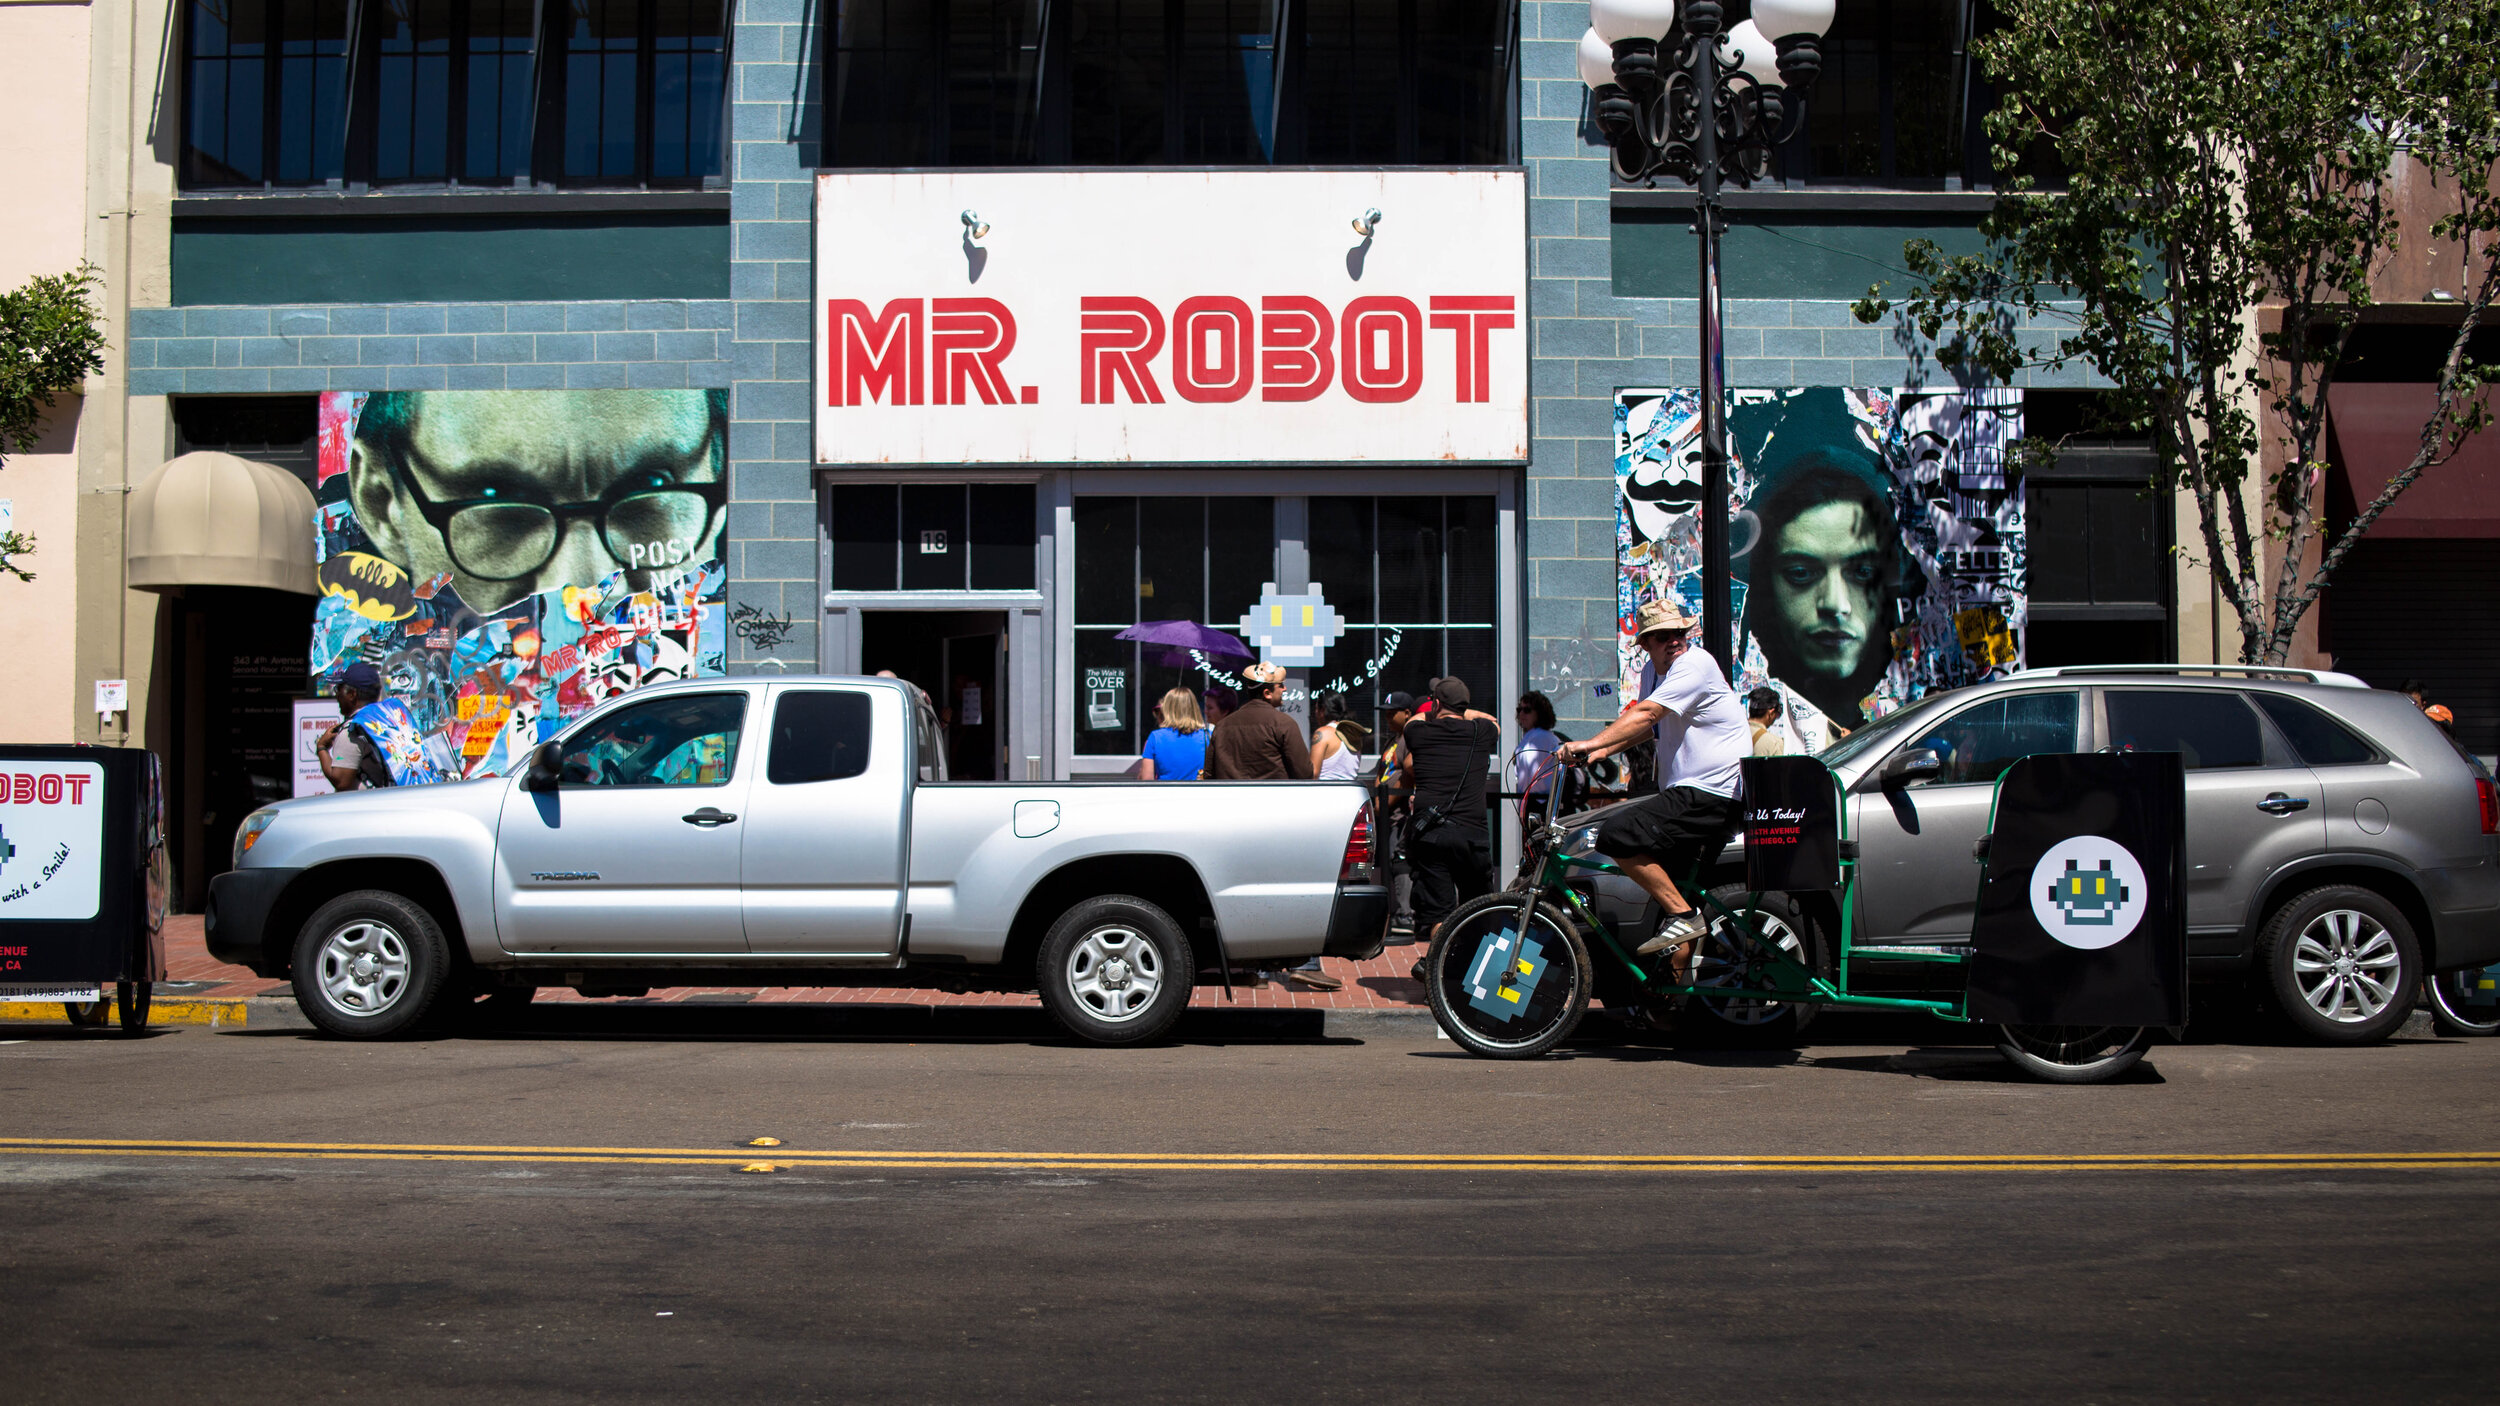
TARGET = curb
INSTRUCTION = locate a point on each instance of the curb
(177, 1010)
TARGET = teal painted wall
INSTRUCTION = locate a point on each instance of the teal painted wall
(1835, 255)
(519, 259)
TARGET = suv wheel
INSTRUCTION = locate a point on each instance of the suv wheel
(368, 965)
(2342, 964)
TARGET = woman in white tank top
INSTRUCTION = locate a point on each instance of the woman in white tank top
(1335, 756)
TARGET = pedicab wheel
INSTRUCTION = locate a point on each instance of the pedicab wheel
(130, 999)
(2452, 1013)
(1502, 993)
(2073, 1054)
(88, 1014)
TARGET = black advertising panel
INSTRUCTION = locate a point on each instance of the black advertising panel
(1792, 825)
(2083, 906)
(82, 868)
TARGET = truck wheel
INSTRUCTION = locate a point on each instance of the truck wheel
(369, 964)
(1115, 970)
(2342, 964)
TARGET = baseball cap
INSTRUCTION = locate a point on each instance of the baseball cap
(1451, 692)
(364, 678)
(1396, 702)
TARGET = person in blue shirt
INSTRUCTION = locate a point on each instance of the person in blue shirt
(1177, 749)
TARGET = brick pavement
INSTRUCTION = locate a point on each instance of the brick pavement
(1379, 984)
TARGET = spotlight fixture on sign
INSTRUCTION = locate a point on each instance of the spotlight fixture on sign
(1367, 223)
(1706, 103)
(973, 228)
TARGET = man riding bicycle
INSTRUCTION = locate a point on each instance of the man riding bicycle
(1702, 742)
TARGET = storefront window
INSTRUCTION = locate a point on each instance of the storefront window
(1412, 578)
(933, 537)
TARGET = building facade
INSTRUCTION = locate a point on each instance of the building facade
(760, 255)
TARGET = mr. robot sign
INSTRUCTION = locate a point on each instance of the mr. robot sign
(51, 840)
(1171, 317)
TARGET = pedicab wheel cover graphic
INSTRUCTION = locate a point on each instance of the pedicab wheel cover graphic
(2088, 892)
(1501, 992)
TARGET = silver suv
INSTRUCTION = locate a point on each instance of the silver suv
(2338, 841)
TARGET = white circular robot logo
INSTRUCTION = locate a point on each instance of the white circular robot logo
(2087, 892)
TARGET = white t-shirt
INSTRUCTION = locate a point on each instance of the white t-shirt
(1704, 737)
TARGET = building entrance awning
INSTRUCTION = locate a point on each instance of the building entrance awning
(211, 519)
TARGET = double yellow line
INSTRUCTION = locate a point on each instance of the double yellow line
(786, 1159)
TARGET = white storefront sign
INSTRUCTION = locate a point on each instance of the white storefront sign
(51, 840)
(1171, 317)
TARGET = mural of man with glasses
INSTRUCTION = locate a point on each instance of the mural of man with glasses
(516, 493)
(509, 559)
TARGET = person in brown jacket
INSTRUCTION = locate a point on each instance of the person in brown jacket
(1257, 742)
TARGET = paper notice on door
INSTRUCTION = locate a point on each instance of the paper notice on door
(970, 714)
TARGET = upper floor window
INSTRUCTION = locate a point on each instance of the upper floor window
(440, 92)
(1180, 82)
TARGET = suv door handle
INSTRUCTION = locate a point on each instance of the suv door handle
(2280, 804)
(709, 817)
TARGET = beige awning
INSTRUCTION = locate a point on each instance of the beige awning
(211, 519)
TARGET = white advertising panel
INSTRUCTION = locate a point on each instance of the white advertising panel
(51, 840)
(1171, 317)
(313, 717)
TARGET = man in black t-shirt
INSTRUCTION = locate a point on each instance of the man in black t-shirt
(1447, 843)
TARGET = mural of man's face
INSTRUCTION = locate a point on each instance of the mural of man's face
(1825, 588)
(511, 456)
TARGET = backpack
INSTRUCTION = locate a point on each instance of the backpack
(371, 770)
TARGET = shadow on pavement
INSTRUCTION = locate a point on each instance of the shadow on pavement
(832, 1024)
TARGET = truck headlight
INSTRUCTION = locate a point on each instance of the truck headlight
(249, 832)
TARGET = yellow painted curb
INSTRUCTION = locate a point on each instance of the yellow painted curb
(215, 1014)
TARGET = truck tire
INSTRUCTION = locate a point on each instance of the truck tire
(2341, 963)
(369, 964)
(1115, 970)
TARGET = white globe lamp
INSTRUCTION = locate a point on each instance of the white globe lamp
(1617, 20)
(1778, 19)
(1597, 60)
(1745, 48)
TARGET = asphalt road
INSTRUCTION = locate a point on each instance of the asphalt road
(971, 1210)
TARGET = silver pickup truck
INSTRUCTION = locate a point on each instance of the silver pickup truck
(789, 832)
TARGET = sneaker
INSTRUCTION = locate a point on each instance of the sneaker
(1684, 927)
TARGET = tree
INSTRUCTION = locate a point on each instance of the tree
(2227, 173)
(51, 339)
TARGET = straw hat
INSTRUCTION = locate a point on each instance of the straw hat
(1661, 615)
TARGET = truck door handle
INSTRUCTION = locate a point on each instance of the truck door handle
(709, 817)
(2280, 804)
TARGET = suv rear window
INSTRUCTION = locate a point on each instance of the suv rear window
(2213, 731)
(2320, 740)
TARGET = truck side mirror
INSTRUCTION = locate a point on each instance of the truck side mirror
(546, 765)
(1916, 764)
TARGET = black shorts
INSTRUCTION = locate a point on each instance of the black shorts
(1679, 828)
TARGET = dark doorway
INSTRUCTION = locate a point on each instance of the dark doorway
(958, 657)
(237, 661)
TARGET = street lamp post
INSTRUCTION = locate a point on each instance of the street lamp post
(1708, 108)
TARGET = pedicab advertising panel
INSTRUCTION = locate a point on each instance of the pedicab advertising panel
(82, 877)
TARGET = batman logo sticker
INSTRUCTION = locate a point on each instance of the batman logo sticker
(371, 587)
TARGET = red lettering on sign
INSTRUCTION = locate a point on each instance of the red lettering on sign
(1213, 344)
(1474, 319)
(22, 789)
(1116, 339)
(1297, 359)
(968, 337)
(77, 784)
(872, 356)
(1384, 350)
(48, 790)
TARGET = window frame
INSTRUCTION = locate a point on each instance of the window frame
(633, 701)
(2274, 751)
(541, 167)
(2087, 714)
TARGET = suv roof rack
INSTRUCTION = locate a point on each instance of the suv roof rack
(2273, 673)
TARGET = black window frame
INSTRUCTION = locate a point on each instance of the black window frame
(542, 143)
(1056, 141)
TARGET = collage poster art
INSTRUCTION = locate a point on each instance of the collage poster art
(1875, 540)
(510, 559)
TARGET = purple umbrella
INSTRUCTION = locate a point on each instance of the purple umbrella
(1179, 637)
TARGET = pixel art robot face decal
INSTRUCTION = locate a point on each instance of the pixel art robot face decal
(1292, 630)
(2087, 892)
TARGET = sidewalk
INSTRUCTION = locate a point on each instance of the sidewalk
(1380, 984)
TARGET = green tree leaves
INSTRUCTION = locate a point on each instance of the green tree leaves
(2227, 196)
(51, 339)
